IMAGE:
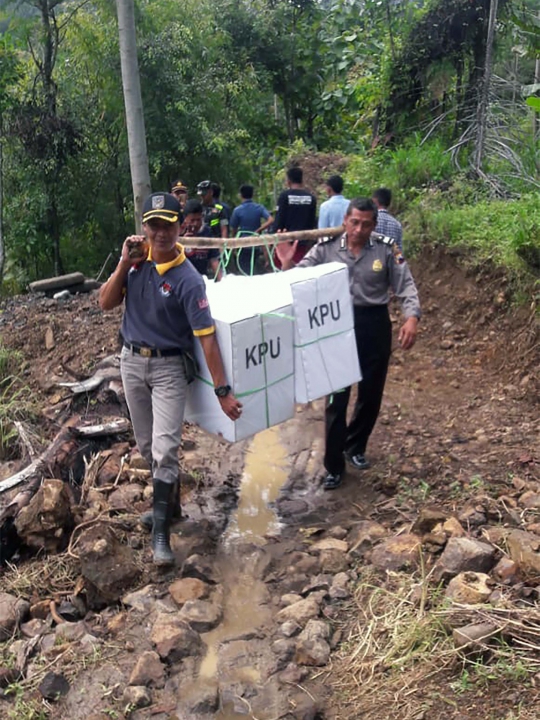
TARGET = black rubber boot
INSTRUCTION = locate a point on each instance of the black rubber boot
(161, 530)
(147, 518)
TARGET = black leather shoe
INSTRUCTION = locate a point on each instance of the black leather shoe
(358, 461)
(161, 529)
(332, 481)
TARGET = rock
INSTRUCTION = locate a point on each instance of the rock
(175, 639)
(125, 497)
(397, 553)
(69, 611)
(49, 337)
(203, 698)
(303, 563)
(136, 696)
(462, 555)
(200, 567)
(505, 571)
(285, 650)
(330, 543)
(446, 344)
(203, 616)
(12, 612)
(107, 565)
(315, 630)
(320, 582)
(453, 528)
(149, 671)
(289, 599)
(364, 535)
(474, 635)
(70, 632)
(290, 628)
(299, 612)
(472, 516)
(339, 593)
(312, 647)
(338, 532)
(40, 609)
(469, 588)
(530, 500)
(341, 580)
(334, 561)
(428, 519)
(186, 589)
(8, 675)
(34, 627)
(142, 600)
(523, 549)
(88, 644)
(46, 522)
(109, 471)
(292, 675)
(137, 462)
(53, 686)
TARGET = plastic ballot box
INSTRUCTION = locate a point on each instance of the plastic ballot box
(255, 335)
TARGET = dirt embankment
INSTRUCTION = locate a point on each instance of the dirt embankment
(331, 607)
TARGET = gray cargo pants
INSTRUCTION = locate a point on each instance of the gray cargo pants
(156, 391)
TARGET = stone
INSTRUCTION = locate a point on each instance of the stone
(428, 519)
(108, 472)
(314, 653)
(334, 561)
(8, 675)
(293, 675)
(137, 462)
(34, 627)
(40, 609)
(47, 521)
(338, 532)
(330, 543)
(474, 635)
(186, 589)
(70, 632)
(200, 567)
(284, 649)
(530, 500)
(299, 612)
(453, 528)
(203, 698)
(463, 555)
(136, 696)
(523, 548)
(320, 582)
(203, 616)
(107, 565)
(364, 534)
(505, 571)
(88, 644)
(175, 639)
(339, 593)
(142, 600)
(399, 552)
(290, 628)
(472, 516)
(53, 686)
(469, 588)
(303, 563)
(13, 611)
(340, 580)
(125, 497)
(315, 630)
(289, 599)
(149, 671)
(69, 611)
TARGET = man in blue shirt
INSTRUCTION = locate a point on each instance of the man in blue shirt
(333, 210)
(248, 218)
(387, 224)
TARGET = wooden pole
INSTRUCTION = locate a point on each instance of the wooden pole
(256, 240)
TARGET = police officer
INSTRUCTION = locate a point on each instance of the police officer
(375, 265)
(214, 213)
(165, 307)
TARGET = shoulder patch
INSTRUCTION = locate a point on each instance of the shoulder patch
(385, 239)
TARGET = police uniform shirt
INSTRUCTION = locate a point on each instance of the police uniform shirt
(165, 305)
(216, 217)
(379, 267)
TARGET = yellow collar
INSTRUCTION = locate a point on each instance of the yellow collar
(163, 267)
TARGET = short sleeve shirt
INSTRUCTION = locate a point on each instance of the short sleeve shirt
(200, 257)
(166, 305)
(215, 217)
(247, 216)
(297, 210)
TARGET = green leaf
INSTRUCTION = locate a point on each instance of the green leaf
(534, 102)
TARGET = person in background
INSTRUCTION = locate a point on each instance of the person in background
(203, 259)
(333, 210)
(248, 218)
(213, 213)
(165, 309)
(180, 192)
(387, 223)
(297, 210)
(216, 192)
(375, 266)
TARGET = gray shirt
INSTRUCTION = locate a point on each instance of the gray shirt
(379, 268)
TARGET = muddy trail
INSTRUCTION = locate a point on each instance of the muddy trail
(287, 601)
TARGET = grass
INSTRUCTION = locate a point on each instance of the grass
(15, 405)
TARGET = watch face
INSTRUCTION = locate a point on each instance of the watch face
(222, 391)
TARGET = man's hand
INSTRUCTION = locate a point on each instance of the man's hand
(285, 253)
(135, 249)
(231, 406)
(407, 334)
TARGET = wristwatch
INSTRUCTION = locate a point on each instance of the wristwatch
(222, 391)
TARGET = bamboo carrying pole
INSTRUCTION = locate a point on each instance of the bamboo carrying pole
(255, 240)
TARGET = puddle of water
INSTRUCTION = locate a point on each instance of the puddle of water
(245, 597)
(265, 472)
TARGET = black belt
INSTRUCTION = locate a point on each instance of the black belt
(152, 352)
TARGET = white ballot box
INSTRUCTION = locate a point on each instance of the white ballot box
(255, 335)
(326, 358)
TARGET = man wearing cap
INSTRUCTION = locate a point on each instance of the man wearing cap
(165, 307)
(180, 192)
(214, 213)
(203, 259)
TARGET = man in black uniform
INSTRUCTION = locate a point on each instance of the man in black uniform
(296, 210)
(203, 259)
(214, 213)
(375, 265)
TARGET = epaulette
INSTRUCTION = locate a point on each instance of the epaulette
(385, 239)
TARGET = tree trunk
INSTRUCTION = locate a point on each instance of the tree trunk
(483, 104)
(138, 156)
(2, 251)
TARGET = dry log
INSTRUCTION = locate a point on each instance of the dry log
(257, 240)
(57, 283)
(111, 372)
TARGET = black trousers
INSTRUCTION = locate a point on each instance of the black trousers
(373, 331)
